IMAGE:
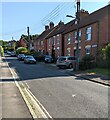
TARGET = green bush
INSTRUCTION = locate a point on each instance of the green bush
(1, 51)
(87, 62)
(103, 59)
(22, 50)
(38, 56)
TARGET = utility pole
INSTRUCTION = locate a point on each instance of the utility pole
(77, 38)
(28, 38)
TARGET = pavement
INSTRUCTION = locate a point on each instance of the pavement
(93, 77)
(12, 104)
(105, 80)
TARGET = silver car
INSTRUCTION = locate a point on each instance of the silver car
(65, 61)
(29, 59)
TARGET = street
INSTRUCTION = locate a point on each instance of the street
(62, 95)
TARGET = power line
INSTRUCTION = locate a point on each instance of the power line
(51, 16)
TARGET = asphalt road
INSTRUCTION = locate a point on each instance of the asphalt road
(62, 95)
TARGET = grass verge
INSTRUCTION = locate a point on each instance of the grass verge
(101, 71)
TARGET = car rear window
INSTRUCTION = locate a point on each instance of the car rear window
(62, 59)
(72, 58)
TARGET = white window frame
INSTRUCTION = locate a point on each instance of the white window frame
(58, 40)
(69, 38)
(75, 36)
(88, 33)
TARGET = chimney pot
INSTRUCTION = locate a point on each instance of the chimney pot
(46, 27)
(51, 25)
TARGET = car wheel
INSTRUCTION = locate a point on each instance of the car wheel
(60, 67)
(70, 66)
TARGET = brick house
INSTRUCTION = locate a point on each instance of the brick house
(40, 43)
(93, 33)
(23, 42)
(55, 40)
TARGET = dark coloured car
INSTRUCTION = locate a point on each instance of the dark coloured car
(48, 59)
(21, 57)
(30, 59)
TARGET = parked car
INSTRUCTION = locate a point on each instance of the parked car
(48, 59)
(21, 57)
(13, 54)
(65, 61)
(29, 59)
(8, 52)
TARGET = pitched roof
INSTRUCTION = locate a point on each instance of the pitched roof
(44, 34)
(91, 18)
(60, 29)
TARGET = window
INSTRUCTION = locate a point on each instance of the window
(69, 38)
(41, 42)
(88, 51)
(58, 51)
(80, 35)
(54, 40)
(57, 39)
(88, 33)
(75, 36)
(68, 51)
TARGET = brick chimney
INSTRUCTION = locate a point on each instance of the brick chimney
(61, 23)
(51, 25)
(83, 13)
(46, 27)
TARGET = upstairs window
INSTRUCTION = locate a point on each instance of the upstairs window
(75, 36)
(69, 38)
(57, 39)
(80, 33)
(49, 41)
(42, 43)
(53, 40)
(88, 33)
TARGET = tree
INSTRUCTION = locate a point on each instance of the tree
(22, 50)
(104, 57)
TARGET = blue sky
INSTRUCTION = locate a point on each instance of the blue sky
(17, 16)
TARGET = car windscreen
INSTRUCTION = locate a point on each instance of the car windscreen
(29, 57)
(22, 55)
(48, 57)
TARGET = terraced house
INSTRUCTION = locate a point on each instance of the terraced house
(94, 34)
(40, 43)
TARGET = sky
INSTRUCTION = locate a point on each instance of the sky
(16, 16)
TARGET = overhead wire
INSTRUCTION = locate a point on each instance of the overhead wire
(61, 9)
(52, 15)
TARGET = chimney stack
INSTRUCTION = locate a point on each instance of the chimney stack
(46, 27)
(51, 25)
(61, 23)
(83, 13)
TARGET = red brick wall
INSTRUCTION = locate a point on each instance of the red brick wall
(56, 45)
